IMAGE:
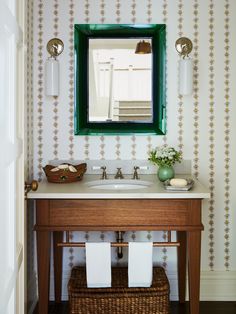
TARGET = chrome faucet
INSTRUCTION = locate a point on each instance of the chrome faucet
(119, 174)
(135, 175)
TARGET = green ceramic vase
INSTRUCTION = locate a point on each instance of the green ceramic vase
(165, 172)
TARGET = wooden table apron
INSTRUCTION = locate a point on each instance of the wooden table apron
(58, 215)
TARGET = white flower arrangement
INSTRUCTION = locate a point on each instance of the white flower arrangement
(165, 156)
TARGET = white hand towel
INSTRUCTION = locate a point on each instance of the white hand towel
(140, 264)
(98, 265)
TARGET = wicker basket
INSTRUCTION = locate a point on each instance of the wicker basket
(119, 299)
(64, 175)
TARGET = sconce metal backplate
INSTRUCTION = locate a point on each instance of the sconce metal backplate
(184, 46)
(55, 46)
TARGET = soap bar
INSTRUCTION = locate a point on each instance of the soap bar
(178, 182)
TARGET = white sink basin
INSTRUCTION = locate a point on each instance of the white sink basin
(119, 184)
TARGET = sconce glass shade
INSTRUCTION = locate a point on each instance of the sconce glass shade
(52, 77)
(143, 47)
(185, 76)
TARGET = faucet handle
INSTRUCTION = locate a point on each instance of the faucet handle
(104, 173)
(103, 168)
(135, 175)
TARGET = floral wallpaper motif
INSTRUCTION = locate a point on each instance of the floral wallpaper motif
(211, 134)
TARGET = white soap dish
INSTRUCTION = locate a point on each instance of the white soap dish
(167, 186)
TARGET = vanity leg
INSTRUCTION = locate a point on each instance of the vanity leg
(182, 260)
(43, 259)
(58, 255)
(194, 254)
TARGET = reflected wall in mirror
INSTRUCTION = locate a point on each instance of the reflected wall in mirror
(119, 79)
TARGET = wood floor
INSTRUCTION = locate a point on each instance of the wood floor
(176, 308)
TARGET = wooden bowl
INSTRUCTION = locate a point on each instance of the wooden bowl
(65, 175)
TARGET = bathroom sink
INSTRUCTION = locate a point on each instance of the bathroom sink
(119, 184)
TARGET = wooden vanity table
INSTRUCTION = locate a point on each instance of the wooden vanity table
(175, 213)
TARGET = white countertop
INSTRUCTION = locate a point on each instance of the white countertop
(81, 190)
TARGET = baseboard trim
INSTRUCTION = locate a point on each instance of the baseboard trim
(215, 286)
(218, 286)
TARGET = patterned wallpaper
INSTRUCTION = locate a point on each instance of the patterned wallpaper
(29, 169)
(202, 125)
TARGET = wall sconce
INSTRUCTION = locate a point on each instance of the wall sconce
(184, 46)
(143, 47)
(55, 47)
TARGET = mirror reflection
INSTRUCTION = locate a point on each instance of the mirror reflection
(120, 80)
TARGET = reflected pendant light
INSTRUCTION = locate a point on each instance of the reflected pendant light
(143, 47)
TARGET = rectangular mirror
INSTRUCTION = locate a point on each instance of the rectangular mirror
(120, 79)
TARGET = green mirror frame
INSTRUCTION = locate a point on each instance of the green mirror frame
(82, 34)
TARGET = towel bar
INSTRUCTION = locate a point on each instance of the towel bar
(116, 244)
(119, 243)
